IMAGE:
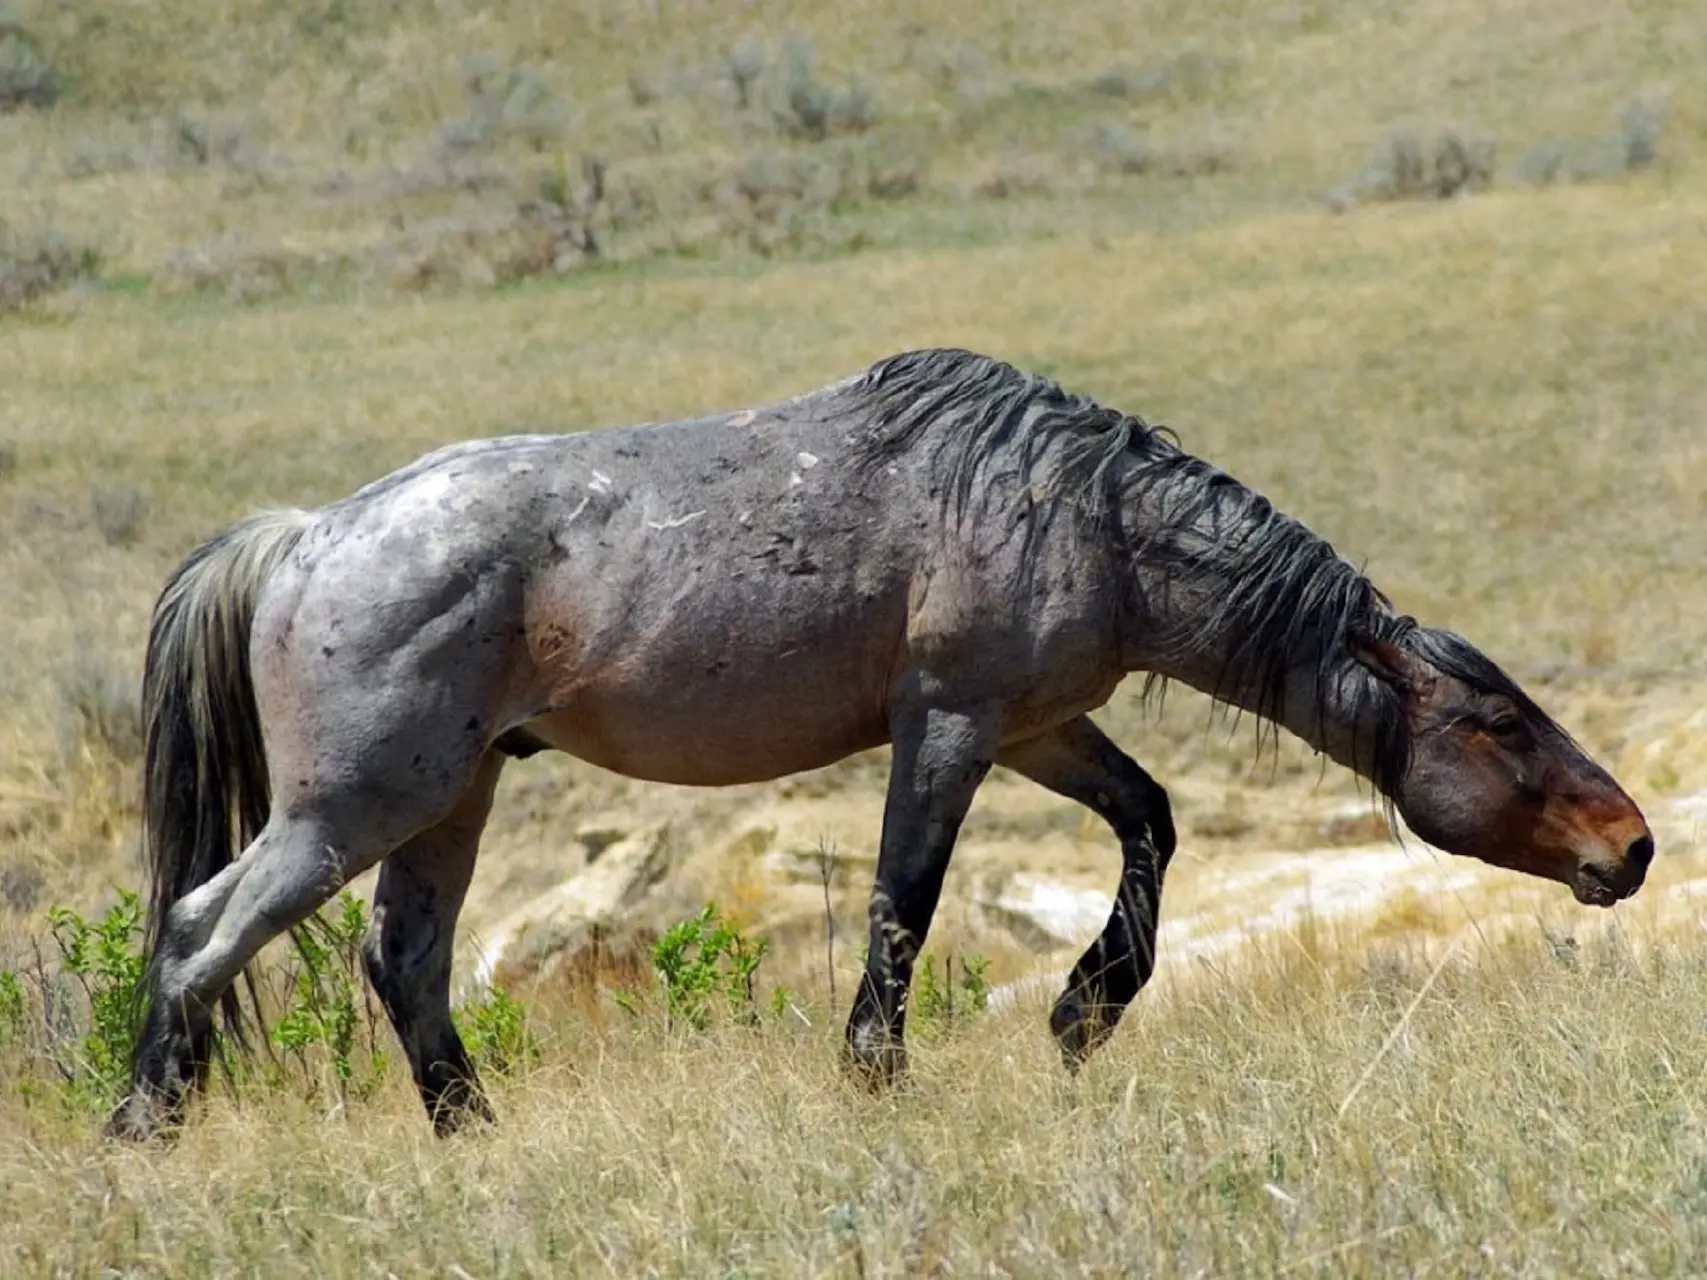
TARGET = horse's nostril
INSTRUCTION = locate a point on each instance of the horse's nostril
(1640, 853)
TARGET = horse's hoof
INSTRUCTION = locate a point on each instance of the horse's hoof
(139, 1118)
(469, 1114)
(878, 1063)
(1077, 1031)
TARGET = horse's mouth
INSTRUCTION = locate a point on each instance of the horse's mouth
(1597, 887)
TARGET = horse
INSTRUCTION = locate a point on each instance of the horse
(940, 553)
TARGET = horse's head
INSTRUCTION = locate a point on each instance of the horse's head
(1485, 772)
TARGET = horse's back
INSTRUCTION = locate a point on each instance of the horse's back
(705, 601)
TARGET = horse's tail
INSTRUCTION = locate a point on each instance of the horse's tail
(204, 771)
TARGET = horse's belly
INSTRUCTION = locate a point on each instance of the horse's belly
(723, 727)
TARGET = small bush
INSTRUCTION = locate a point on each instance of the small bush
(496, 1033)
(641, 91)
(745, 66)
(775, 198)
(1185, 77)
(27, 77)
(12, 1008)
(324, 1011)
(957, 68)
(1545, 164)
(948, 998)
(105, 958)
(118, 513)
(33, 267)
(20, 884)
(552, 233)
(766, 182)
(198, 138)
(91, 159)
(894, 174)
(1414, 165)
(89, 1041)
(103, 701)
(703, 964)
(554, 225)
(1633, 148)
(1117, 148)
(504, 104)
(798, 103)
(243, 271)
(1641, 121)
(1017, 175)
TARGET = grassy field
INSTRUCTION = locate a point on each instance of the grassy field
(1539, 1114)
(253, 253)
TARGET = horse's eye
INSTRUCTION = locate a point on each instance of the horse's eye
(1506, 724)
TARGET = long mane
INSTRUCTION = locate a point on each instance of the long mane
(1283, 596)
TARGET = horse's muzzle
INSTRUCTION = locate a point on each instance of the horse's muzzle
(1601, 884)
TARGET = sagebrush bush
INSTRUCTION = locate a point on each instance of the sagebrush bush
(118, 512)
(103, 704)
(28, 78)
(1641, 121)
(1115, 146)
(1632, 148)
(34, 266)
(790, 92)
(1414, 164)
(502, 103)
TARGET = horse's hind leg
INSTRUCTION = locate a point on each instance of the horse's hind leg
(290, 870)
(1079, 762)
(408, 951)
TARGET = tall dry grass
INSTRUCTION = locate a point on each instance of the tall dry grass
(1324, 1105)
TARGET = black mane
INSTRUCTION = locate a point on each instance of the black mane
(1283, 596)
(978, 413)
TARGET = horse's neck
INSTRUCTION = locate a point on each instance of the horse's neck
(1324, 704)
(1328, 706)
(1178, 625)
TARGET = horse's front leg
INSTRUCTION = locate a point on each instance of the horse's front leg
(1076, 760)
(940, 757)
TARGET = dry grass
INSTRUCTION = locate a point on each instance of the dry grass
(324, 240)
(1318, 1107)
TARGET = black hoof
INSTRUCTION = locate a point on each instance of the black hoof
(1078, 1030)
(142, 1116)
(459, 1112)
(875, 1061)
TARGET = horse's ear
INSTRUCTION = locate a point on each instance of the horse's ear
(1405, 672)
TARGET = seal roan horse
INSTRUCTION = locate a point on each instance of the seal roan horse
(940, 553)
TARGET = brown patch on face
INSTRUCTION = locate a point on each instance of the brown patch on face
(1609, 839)
(1549, 811)
(1490, 776)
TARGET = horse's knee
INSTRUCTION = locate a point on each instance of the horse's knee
(1142, 815)
(1160, 820)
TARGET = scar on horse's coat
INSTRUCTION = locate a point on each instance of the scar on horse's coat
(940, 553)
